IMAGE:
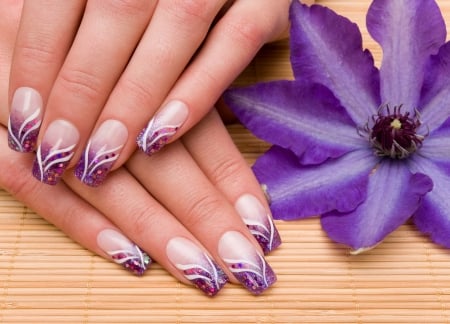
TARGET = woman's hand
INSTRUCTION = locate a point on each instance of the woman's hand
(188, 224)
(97, 71)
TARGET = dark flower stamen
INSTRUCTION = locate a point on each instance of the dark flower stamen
(394, 134)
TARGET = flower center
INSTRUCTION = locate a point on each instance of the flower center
(393, 133)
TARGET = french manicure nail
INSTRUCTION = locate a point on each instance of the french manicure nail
(162, 127)
(245, 262)
(24, 120)
(196, 265)
(259, 222)
(122, 251)
(55, 151)
(101, 152)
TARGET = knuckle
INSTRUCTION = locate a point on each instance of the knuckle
(201, 210)
(18, 182)
(227, 170)
(141, 95)
(129, 7)
(82, 84)
(37, 53)
(188, 11)
(247, 32)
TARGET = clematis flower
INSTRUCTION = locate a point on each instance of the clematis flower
(365, 148)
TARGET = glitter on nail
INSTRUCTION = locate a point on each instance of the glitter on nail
(208, 277)
(256, 277)
(265, 233)
(155, 136)
(22, 134)
(50, 164)
(134, 260)
(93, 167)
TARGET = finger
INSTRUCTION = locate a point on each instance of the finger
(68, 212)
(176, 30)
(228, 49)
(107, 36)
(141, 217)
(212, 148)
(46, 32)
(202, 209)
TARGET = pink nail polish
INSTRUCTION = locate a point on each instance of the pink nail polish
(101, 152)
(24, 120)
(196, 265)
(259, 222)
(162, 127)
(123, 251)
(245, 262)
(55, 151)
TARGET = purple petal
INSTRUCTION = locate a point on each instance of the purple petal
(393, 195)
(433, 215)
(304, 118)
(327, 48)
(436, 146)
(435, 102)
(300, 191)
(409, 31)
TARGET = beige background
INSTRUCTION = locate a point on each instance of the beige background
(46, 278)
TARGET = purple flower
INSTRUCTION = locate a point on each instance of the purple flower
(366, 148)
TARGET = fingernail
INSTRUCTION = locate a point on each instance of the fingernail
(24, 120)
(245, 262)
(55, 151)
(101, 152)
(196, 265)
(259, 222)
(162, 127)
(123, 251)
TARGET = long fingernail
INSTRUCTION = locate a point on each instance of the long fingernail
(101, 152)
(162, 127)
(259, 222)
(123, 251)
(245, 262)
(24, 120)
(55, 151)
(196, 265)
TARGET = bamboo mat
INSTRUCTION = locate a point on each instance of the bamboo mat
(47, 278)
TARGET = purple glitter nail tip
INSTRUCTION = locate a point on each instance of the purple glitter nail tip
(256, 278)
(49, 165)
(22, 135)
(136, 261)
(154, 137)
(209, 278)
(93, 167)
(267, 235)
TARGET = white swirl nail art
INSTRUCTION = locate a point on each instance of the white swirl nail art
(196, 265)
(245, 262)
(23, 137)
(155, 136)
(50, 164)
(55, 152)
(134, 260)
(94, 166)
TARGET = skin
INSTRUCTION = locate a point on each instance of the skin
(145, 201)
(162, 51)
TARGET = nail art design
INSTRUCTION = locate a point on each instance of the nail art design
(55, 152)
(196, 266)
(101, 152)
(122, 251)
(162, 127)
(259, 222)
(24, 120)
(247, 265)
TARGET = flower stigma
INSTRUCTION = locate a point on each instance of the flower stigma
(394, 133)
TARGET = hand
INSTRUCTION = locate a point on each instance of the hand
(191, 221)
(98, 70)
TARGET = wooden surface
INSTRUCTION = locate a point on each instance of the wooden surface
(47, 278)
